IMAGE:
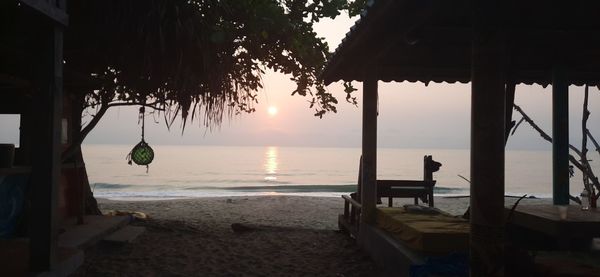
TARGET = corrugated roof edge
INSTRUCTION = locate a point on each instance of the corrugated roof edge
(347, 38)
(354, 27)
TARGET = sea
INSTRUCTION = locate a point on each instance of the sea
(210, 171)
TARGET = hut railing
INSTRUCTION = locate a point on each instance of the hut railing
(351, 218)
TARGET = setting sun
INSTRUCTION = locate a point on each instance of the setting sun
(272, 111)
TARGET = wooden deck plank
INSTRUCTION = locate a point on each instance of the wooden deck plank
(395, 258)
(94, 229)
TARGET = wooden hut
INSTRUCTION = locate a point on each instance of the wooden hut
(494, 45)
(31, 81)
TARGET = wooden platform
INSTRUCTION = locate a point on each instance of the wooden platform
(539, 227)
(394, 257)
(16, 251)
(434, 234)
(75, 238)
(69, 260)
(546, 219)
(94, 229)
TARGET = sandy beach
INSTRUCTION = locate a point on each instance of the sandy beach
(295, 236)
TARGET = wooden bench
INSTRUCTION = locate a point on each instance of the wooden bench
(390, 189)
(417, 189)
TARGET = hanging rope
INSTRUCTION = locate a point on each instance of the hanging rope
(142, 153)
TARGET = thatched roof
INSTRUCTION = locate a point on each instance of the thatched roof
(430, 41)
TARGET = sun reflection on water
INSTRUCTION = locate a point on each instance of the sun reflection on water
(271, 163)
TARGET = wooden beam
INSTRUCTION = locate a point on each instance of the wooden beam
(359, 188)
(352, 201)
(369, 151)
(45, 146)
(560, 138)
(8, 81)
(488, 115)
(14, 102)
(26, 136)
(55, 10)
(510, 101)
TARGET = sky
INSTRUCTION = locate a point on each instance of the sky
(411, 115)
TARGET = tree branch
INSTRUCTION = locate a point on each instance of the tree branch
(539, 130)
(517, 126)
(584, 137)
(584, 169)
(575, 199)
(84, 132)
(149, 105)
(594, 141)
(510, 100)
(96, 118)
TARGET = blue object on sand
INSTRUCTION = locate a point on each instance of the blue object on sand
(12, 197)
(455, 264)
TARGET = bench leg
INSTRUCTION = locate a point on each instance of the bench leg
(390, 202)
(346, 210)
(431, 198)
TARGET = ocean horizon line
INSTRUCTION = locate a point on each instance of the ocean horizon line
(509, 148)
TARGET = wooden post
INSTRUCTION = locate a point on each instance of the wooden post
(369, 151)
(560, 138)
(359, 188)
(510, 101)
(428, 176)
(488, 115)
(25, 135)
(427, 173)
(46, 150)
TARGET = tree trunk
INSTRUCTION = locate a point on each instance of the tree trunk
(89, 201)
(90, 205)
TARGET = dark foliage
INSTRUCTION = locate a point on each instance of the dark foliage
(197, 59)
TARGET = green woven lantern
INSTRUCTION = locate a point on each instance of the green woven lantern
(142, 153)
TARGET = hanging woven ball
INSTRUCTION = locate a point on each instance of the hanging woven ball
(142, 154)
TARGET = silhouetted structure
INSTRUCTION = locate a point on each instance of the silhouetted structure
(31, 45)
(494, 45)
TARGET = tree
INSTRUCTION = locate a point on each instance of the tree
(590, 180)
(196, 59)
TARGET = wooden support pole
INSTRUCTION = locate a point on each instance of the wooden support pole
(46, 151)
(359, 188)
(25, 135)
(369, 151)
(560, 138)
(488, 116)
(510, 101)
(427, 173)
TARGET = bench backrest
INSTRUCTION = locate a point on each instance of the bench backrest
(406, 189)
